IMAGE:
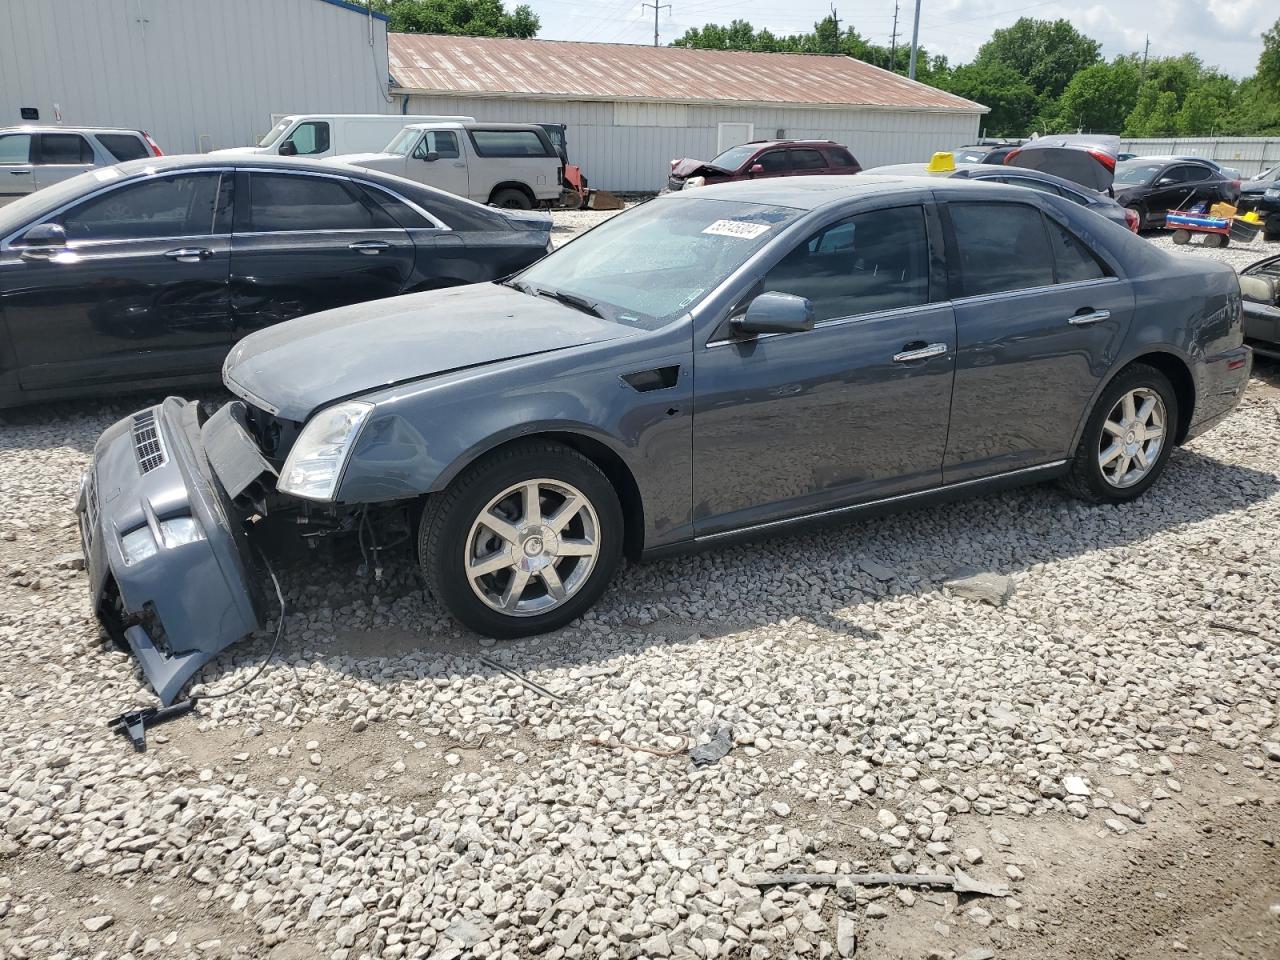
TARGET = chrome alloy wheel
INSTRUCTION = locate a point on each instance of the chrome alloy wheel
(532, 547)
(1132, 437)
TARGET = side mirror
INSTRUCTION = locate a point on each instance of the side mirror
(756, 168)
(43, 235)
(288, 149)
(431, 156)
(1166, 182)
(775, 312)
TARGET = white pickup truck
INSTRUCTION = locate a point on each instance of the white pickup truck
(504, 164)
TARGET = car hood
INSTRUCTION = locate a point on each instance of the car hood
(696, 168)
(298, 366)
(365, 159)
(241, 151)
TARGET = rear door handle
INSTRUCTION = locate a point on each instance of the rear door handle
(189, 254)
(921, 352)
(459, 164)
(1087, 318)
(20, 173)
(370, 248)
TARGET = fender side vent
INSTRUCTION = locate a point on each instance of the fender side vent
(147, 443)
(659, 378)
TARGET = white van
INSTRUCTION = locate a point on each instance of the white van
(506, 164)
(323, 135)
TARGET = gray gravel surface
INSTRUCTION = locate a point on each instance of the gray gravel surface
(1077, 702)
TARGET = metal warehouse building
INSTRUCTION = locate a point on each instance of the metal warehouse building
(195, 74)
(631, 109)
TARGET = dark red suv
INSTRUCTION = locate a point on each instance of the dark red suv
(764, 158)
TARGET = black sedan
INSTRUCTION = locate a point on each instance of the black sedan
(1152, 186)
(1094, 200)
(147, 273)
(1262, 194)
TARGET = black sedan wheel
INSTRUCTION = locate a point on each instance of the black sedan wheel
(1128, 439)
(523, 541)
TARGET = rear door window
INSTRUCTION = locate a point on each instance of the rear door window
(280, 202)
(15, 149)
(508, 143)
(1000, 247)
(870, 262)
(124, 146)
(64, 148)
(1075, 262)
(807, 160)
(181, 205)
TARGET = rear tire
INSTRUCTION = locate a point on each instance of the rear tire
(523, 541)
(1126, 444)
(511, 199)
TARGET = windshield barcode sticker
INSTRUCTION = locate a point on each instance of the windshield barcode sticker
(737, 228)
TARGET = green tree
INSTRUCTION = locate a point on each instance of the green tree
(469, 18)
(1045, 53)
(1098, 98)
(1200, 114)
(1012, 101)
(1155, 114)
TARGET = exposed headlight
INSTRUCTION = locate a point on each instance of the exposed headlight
(695, 182)
(1272, 193)
(179, 530)
(315, 463)
(138, 545)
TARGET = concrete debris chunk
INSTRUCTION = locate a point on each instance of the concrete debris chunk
(992, 588)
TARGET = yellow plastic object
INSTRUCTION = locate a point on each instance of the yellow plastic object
(1251, 217)
(1224, 210)
(944, 161)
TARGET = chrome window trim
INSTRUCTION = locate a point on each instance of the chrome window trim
(837, 322)
(866, 504)
(1004, 294)
(273, 233)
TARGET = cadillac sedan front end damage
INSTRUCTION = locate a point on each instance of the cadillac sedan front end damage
(164, 510)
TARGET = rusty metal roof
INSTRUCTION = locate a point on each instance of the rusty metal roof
(487, 66)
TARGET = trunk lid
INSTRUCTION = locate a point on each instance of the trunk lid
(1089, 160)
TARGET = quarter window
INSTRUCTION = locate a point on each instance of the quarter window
(1001, 246)
(15, 148)
(290, 202)
(1075, 261)
(840, 157)
(182, 205)
(873, 261)
(64, 148)
(124, 146)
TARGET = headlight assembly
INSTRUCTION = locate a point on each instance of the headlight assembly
(695, 182)
(315, 463)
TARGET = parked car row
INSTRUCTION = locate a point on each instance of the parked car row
(35, 157)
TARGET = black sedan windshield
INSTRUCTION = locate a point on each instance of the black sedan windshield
(1134, 172)
(650, 265)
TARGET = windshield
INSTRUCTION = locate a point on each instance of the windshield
(652, 264)
(276, 132)
(1272, 174)
(1137, 171)
(970, 156)
(403, 142)
(735, 157)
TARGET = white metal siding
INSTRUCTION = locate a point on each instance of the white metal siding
(620, 147)
(184, 70)
(1249, 155)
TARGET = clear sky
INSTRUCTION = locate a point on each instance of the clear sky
(1224, 33)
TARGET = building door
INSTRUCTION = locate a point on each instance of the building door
(732, 134)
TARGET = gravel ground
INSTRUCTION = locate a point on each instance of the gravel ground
(1094, 726)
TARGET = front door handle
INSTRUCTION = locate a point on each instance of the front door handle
(370, 248)
(460, 163)
(20, 173)
(920, 351)
(189, 254)
(1088, 317)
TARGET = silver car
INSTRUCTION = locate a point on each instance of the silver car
(34, 157)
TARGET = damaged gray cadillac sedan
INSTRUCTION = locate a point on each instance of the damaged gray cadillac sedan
(711, 364)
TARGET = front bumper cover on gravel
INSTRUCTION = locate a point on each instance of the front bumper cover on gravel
(186, 602)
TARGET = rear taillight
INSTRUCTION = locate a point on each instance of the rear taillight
(155, 147)
(1008, 157)
(1235, 184)
(1106, 159)
(1131, 218)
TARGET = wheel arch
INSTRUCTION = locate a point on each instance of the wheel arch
(1179, 374)
(512, 185)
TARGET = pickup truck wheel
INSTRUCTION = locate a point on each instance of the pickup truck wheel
(523, 541)
(1128, 439)
(512, 199)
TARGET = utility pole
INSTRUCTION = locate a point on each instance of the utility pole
(835, 17)
(656, 8)
(1146, 47)
(915, 41)
(893, 41)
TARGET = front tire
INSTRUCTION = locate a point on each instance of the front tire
(1128, 439)
(523, 541)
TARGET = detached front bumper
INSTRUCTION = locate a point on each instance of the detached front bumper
(170, 568)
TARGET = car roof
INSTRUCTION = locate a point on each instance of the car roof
(813, 193)
(1168, 158)
(472, 125)
(760, 144)
(982, 171)
(60, 128)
